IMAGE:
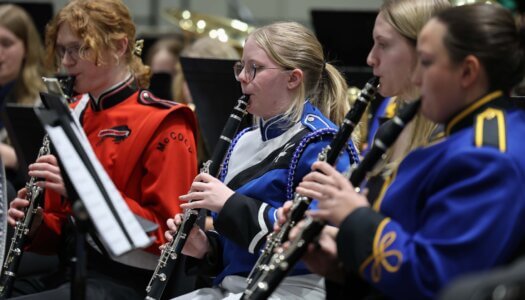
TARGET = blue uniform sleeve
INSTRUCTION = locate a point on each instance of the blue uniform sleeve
(469, 220)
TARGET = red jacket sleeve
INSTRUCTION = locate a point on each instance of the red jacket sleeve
(46, 238)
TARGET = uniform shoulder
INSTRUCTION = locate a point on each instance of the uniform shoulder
(316, 122)
(147, 98)
(490, 129)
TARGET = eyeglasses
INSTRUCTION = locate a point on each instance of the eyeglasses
(249, 70)
(72, 51)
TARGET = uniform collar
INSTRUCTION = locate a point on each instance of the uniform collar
(277, 125)
(114, 95)
(273, 127)
(311, 117)
(466, 117)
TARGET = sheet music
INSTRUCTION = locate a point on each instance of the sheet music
(110, 232)
(124, 213)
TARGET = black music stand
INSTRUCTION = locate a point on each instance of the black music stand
(25, 133)
(97, 205)
(214, 91)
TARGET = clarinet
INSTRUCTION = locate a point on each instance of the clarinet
(34, 196)
(281, 263)
(14, 254)
(67, 84)
(172, 250)
(61, 85)
(329, 154)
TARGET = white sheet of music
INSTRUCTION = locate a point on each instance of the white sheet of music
(110, 232)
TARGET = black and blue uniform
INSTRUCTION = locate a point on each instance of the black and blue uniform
(455, 206)
(264, 166)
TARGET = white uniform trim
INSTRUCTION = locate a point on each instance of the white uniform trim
(80, 106)
(262, 225)
(250, 150)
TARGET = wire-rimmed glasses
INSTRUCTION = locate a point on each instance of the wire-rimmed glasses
(250, 70)
(73, 51)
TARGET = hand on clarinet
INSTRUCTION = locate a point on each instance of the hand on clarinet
(16, 211)
(336, 196)
(46, 167)
(206, 192)
(282, 215)
(321, 256)
(197, 242)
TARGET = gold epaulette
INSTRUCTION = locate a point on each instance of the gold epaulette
(490, 129)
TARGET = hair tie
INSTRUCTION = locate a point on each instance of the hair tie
(139, 45)
(324, 68)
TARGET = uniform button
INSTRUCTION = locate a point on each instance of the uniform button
(491, 115)
(310, 119)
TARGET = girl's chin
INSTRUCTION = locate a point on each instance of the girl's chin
(383, 90)
(249, 106)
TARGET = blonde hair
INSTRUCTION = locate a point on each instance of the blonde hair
(29, 82)
(292, 46)
(100, 24)
(408, 17)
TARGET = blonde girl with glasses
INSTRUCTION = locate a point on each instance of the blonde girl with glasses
(296, 99)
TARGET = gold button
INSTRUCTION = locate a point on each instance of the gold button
(490, 115)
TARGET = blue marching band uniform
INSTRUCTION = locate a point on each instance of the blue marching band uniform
(263, 167)
(453, 207)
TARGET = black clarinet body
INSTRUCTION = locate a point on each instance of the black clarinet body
(281, 263)
(67, 83)
(15, 251)
(328, 154)
(386, 136)
(34, 196)
(61, 85)
(172, 250)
